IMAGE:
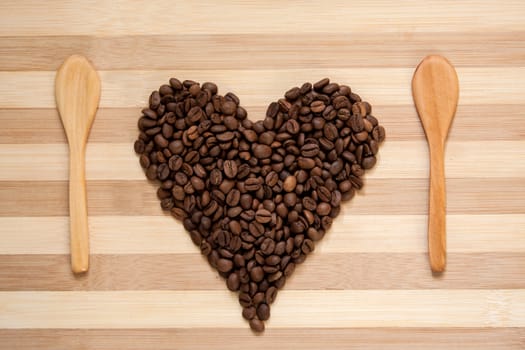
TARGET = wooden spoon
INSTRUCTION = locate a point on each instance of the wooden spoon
(435, 89)
(77, 92)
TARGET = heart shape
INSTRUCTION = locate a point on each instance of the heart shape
(255, 196)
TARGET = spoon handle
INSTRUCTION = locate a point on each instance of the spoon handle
(78, 210)
(436, 211)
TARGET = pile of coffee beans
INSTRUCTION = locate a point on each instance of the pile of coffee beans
(256, 196)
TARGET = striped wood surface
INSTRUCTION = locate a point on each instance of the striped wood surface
(368, 284)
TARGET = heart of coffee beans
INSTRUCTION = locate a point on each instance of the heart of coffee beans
(256, 196)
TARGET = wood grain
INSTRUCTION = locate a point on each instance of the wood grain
(432, 338)
(363, 308)
(469, 233)
(332, 271)
(491, 85)
(370, 286)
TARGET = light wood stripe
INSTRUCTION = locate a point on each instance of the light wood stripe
(430, 338)
(397, 159)
(293, 51)
(385, 196)
(332, 271)
(315, 309)
(487, 85)
(98, 17)
(118, 125)
(349, 234)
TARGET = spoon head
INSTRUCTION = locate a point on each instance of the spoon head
(435, 89)
(77, 93)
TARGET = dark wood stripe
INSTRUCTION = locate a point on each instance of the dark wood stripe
(337, 271)
(288, 338)
(119, 125)
(379, 196)
(266, 51)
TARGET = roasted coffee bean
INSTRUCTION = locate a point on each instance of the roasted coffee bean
(249, 312)
(323, 209)
(272, 178)
(330, 131)
(230, 169)
(263, 312)
(255, 196)
(257, 325)
(321, 84)
(233, 282)
(262, 151)
(252, 184)
(290, 183)
(263, 216)
(317, 106)
(233, 197)
(257, 274)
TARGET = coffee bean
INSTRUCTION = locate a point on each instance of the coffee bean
(323, 209)
(233, 282)
(317, 106)
(262, 151)
(249, 312)
(368, 162)
(272, 178)
(305, 163)
(292, 126)
(263, 312)
(336, 167)
(256, 229)
(255, 196)
(252, 184)
(310, 150)
(230, 169)
(330, 131)
(263, 216)
(257, 325)
(257, 274)
(289, 183)
(321, 84)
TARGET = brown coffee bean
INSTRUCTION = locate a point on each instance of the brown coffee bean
(252, 184)
(230, 169)
(368, 162)
(321, 84)
(317, 106)
(330, 131)
(233, 282)
(257, 325)
(310, 150)
(256, 196)
(290, 183)
(233, 197)
(257, 274)
(336, 167)
(225, 136)
(262, 151)
(323, 209)
(263, 312)
(256, 229)
(263, 216)
(249, 312)
(290, 199)
(272, 178)
(292, 126)
(305, 163)
(308, 246)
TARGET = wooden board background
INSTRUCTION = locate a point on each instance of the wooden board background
(368, 284)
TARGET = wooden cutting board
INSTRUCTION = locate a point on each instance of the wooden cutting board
(368, 285)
